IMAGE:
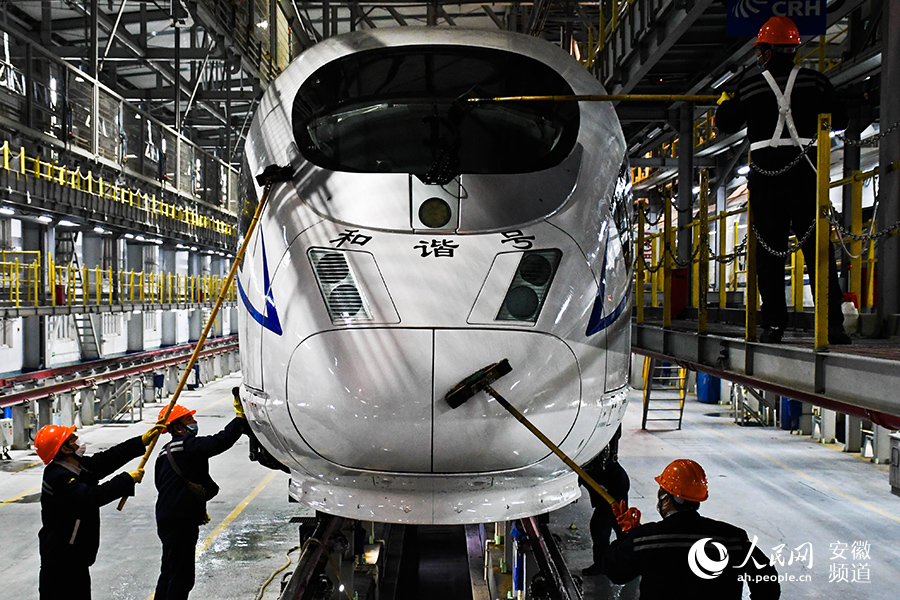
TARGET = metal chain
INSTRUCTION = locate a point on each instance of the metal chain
(869, 141)
(648, 267)
(791, 248)
(782, 171)
(739, 250)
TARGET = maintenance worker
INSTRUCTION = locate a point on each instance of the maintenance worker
(605, 470)
(780, 105)
(71, 497)
(185, 486)
(664, 554)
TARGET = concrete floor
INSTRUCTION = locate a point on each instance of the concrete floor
(785, 489)
(782, 488)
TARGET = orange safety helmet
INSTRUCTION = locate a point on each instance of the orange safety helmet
(178, 411)
(50, 439)
(780, 31)
(685, 479)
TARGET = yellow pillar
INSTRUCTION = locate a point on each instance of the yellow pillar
(823, 230)
(703, 259)
(667, 262)
(856, 188)
(639, 267)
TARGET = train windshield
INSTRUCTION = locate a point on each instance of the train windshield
(406, 110)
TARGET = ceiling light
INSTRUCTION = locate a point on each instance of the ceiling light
(129, 236)
(99, 229)
(140, 238)
(67, 223)
(743, 169)
(5, 210)
(193, 248)
(45, 219)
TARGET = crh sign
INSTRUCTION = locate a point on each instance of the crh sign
(745, 17)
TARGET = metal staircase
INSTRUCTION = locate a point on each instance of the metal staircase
(664, 389)
(88, 340)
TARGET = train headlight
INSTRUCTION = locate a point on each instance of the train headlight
(529, 286)
(340, 291)
(435, 213)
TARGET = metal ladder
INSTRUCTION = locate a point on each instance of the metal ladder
(664, 386)
(88, 340)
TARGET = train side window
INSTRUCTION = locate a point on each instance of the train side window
(621, 208)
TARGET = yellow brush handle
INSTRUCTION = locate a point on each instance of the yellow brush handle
(569, 462)
(209, 324)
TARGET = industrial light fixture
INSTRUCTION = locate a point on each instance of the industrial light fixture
(45, 219)
(743, 169)
(654, 133)
(140, 238)
(725, 77)
(99, 229)
(67, 223)
(695, 189)
(180, 246)
(129, 236)
(5, 210)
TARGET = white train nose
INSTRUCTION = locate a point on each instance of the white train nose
(386, 412)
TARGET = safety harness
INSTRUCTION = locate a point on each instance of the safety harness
(785, 118)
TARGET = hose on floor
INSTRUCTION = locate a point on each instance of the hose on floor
(279, 570)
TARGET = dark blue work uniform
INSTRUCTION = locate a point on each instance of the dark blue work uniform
(71, 497)
(658, 553)
(179, 512)
(606, 471)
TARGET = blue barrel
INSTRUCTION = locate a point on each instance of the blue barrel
(7, 412)
(791, 410)
(708, 388)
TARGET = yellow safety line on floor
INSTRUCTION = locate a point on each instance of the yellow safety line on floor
(28, 466)
(231, 517)
(804, 475)
(205, 544)
(20, 496)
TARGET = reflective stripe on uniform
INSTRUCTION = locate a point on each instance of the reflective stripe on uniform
(75, 531)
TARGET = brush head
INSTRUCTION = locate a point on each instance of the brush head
(476, 382)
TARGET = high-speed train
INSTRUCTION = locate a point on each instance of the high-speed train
(425, 236)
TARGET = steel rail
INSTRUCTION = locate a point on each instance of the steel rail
(89, 381)
(107, 362)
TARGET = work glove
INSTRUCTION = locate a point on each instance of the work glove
(725, 97)
(137, 475)
(627, 518)
(238, 407)
(205, 519)
(152, 433)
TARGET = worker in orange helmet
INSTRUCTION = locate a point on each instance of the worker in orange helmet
(71, 497)
(184, 485)
(686, 555)
(780, 105)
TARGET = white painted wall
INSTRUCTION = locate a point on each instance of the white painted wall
(181, 326)
(62, 341)
(152, 329)
(11, 352)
